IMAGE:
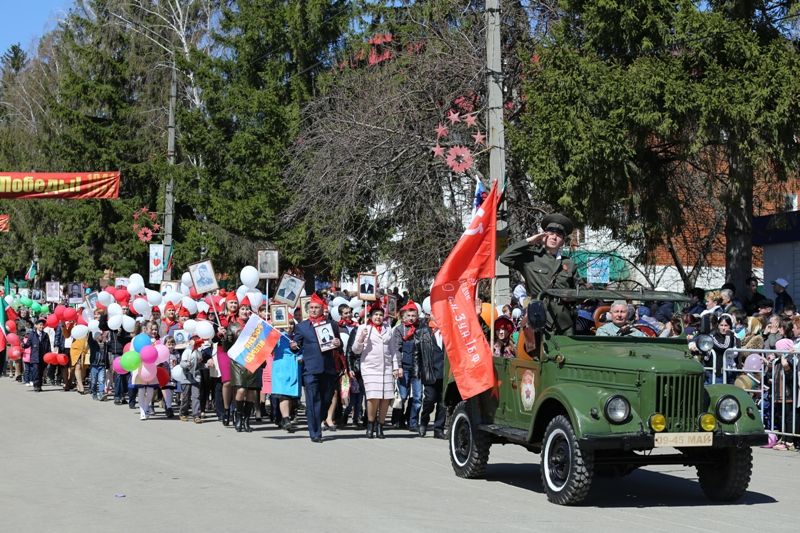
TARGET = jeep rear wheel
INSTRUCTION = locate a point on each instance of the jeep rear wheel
(566, 469)
(727, 479)
(469, 447)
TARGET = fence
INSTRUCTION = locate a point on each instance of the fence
(767, 385)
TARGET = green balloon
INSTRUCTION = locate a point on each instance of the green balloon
(27, 302)
(130, 361)
(35, 308)
(44, 309)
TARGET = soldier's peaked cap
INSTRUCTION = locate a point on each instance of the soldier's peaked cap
(557, 222)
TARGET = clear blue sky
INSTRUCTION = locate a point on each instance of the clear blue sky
(22, 21)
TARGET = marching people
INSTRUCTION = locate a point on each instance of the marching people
(39, 343)
(405, 347)
(246, 384)
(431, 369)
(379, 368)
(190, 380)
(319, 368)
(355, 405)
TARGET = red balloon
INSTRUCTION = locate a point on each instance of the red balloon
(193, 293)
(62, 359)
(12, 339)
(15, 353)
(2, 343)
(50, 358)
(11, 326)
(69, 314)
(110, 290)
(162, 374)
(59, 312)
(51, 321)
(128, 347)
(131, 309)
(82, 321)
(121, 295)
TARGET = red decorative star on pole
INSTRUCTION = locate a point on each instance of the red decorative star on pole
(441, 131)
(453, 117)
(469, 120)
(480, 139)
(438, 151)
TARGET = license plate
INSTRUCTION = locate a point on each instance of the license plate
(683, 440)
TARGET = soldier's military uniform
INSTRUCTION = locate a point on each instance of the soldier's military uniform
(544, 271)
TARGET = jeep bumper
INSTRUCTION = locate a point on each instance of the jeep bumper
(645, 441)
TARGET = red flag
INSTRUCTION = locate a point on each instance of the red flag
(4, 222)
(453, 300)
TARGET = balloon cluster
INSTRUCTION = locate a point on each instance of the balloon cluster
(16, 302)
(12, 341)
(143, 356)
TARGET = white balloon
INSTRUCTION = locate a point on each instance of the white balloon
(339, 300)
(249, 276)
(153, 297)
(115, 322)
(105, 298)
(190, 326)
(141, 306)
(186, 279)
(114, 310)
(87, 315)
(356, 304)
(240, 292)
(128, 323)
(10, 299)
(204, 329)
(255, 298)
(136, 288)
(94, 326)
(135, 278)
(426, 305)
(419, 308)
(79, 332)
(185, 289)
(147, 315)
(189, 304)
(499, 309)
(177, 374)
(335, 313)
(516, 313)
(202, 307)
(174, 297)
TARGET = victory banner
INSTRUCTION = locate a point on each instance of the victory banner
(5, 223)
(255, 343)
(67, 185)
(156, 263)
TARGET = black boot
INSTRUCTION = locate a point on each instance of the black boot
(379, 430)
(248, 412)
(370, 430)
(238, 417)
(226, 417)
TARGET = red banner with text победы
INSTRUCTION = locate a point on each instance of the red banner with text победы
(68, 185)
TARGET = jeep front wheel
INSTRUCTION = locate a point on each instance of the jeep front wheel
(566, 469)
(726, 479)
(469, 447)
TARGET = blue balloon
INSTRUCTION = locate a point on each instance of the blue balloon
(141, 340)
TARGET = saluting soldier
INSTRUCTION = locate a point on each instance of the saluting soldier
(540, 260)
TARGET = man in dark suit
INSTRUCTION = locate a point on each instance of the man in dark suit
(319, 370)
(39, 343)
(289, 291)
(367, 286)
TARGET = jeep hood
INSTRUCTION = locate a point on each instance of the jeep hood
(629, 353)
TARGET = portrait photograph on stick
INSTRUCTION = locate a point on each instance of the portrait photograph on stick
(280, 315)
(304, 301)
(325, 336)
(289, 290)
(268, 264)
(203, 277)
(367, 288)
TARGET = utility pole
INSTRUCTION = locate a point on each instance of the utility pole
(169, 196)
(497, 144)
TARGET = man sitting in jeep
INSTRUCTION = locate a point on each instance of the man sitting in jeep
(618, 327)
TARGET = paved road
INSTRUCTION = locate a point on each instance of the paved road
(72, 464)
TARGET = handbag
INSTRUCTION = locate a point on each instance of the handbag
(397, 403)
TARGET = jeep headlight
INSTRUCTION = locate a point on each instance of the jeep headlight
(728, 409)
(617, 409)
(708, 422)
(658, 422)
(704, 343)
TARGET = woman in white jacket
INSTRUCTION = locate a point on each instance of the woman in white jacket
(378, 368)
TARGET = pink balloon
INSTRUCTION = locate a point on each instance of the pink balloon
(163, 353)
(117, 365)
(148, 373)
(753, 362)
(128, 347)
(149, 354)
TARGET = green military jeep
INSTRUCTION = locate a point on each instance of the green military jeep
(594, 405)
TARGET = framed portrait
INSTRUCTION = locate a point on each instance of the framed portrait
(75, 294)
(181, 338)
(304, 301)
(52, 291)
(391, 306)
(268, 264)
(279, 313)
(367, 286)
(121, 282)
(289, 290)
(203, 277)
(91, 301)
(325, 336)
(168, 286)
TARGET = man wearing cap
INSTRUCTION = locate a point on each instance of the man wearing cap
(782, 298)
(405, 347)
(540, 261)
(618, 327)
(319, 368)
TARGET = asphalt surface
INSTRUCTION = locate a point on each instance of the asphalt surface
(73, 464)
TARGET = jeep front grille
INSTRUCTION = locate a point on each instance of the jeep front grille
(678, 398)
